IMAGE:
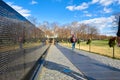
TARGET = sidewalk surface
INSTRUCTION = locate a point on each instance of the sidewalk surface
(58, 67)
(64, 64)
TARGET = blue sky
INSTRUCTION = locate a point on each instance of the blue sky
(98, 13)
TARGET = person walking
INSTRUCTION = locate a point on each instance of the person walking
(73, 41)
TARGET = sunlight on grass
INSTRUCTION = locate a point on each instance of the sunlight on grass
(98, 47)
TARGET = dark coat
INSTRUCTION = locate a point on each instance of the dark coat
(118, 33)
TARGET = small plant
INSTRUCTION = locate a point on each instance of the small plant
(78, 41)
(62, 40)
(112, 42)
(88, 41)
(38, 41)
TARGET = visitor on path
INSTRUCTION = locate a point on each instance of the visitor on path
(118, 33)
(73, 41)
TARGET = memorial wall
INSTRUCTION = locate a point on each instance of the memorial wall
(15, 30)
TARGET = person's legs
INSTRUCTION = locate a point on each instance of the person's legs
(73, 46)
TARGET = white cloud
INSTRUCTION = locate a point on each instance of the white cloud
(89, 15)
(85, 11)
(80, 7)
(107, 10)
(100, 23)
(33, 2)
(106, 2)
(94, 1)
(84, 5)
(21, 10)
(71, 8)
(118, 1)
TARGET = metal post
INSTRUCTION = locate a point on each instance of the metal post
(113, 52)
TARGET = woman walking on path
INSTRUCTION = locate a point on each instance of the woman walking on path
(73, 41)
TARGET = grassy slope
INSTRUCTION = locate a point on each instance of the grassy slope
(99, 47)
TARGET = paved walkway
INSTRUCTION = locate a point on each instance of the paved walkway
(58, 67)
(61, 64)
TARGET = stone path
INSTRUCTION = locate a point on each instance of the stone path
(58, 67)
(94, 66)
(64, 64)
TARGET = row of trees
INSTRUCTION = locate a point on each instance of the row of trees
(82, 31)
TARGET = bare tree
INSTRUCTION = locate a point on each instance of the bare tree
(82, 31)
(93, 31)
(33, 20)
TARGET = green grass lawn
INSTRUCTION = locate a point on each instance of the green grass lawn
(99, 47)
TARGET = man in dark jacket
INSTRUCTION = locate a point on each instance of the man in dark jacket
(118, 33)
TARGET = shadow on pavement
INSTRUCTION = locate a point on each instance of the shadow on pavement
(108, 67)
(85, 63)
(63, 69)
